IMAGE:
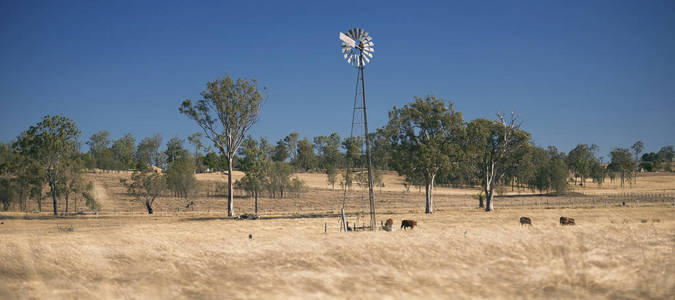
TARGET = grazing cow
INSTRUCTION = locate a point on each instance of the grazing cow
(408, 223)
(566, 221)
(388, 225)
(248, 217)
(525, 221)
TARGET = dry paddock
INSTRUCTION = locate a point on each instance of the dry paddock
(613, 253)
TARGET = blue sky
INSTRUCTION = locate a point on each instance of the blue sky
(598, 72)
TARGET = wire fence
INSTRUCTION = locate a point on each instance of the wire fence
(575, 200)
(384, 203)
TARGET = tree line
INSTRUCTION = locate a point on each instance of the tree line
(426, 141)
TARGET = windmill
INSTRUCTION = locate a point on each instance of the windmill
(357, 49)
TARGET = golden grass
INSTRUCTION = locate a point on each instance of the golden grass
(657, 182)
(611, 253)
(616, 252)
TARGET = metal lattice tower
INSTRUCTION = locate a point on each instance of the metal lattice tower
(359, 54)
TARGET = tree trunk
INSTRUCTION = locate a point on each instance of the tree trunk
(22, 201)
(230, 196)
(489, 191)
(148, 206)
(489, 187)
(53, 190)
(429, 187)
(196, 158)
(480, 201)
(635, 176)
(256, 201)
(67, 194)
(489, 203)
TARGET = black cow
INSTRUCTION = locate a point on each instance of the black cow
(408, 223)
(566, 221)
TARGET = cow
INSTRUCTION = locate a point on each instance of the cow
(566, 221)
(525, 221)
(248, 217)
(388, 225)
(408, 223)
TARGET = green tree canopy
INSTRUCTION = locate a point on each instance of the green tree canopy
(226, 112)
(99, 141)
(550, 171)
(279, 178)
(581, 159)
(425, 138)
(305, 159)
(124, 150)
(147, 153)
(180, 176)
(256, 163)
(52, 143)
(494, 146)
(146, 186)
(175, 150)
(621, 162)
(291, 142)
(280, 152)
(330, 157)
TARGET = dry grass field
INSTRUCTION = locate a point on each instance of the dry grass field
(657, 182)
(617, 253)
(320, 198)
(460, 252)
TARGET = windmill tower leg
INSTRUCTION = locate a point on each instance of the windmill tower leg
(371, 199)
